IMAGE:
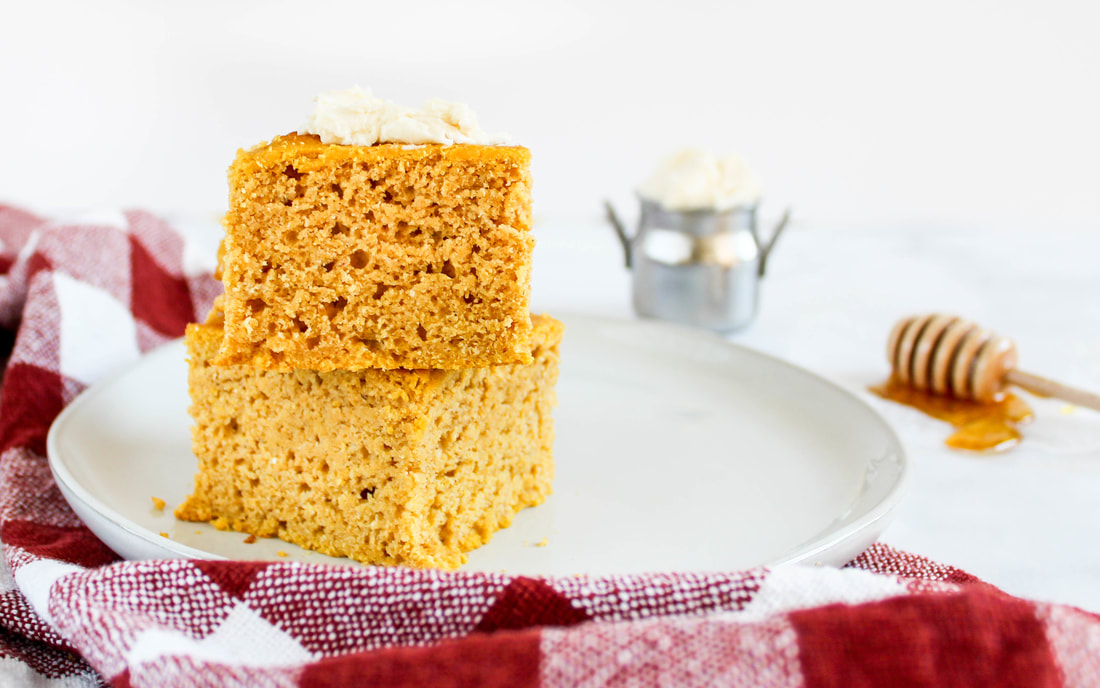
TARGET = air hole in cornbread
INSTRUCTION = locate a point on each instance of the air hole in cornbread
(333, 308)
(371, 344)
(359, 259)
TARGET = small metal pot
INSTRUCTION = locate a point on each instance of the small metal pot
(698, 267)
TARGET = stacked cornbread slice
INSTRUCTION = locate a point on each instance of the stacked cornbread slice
(372, 384)
(383, 256)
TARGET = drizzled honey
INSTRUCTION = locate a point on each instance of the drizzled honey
(978, 426)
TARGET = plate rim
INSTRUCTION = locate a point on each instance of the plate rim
(870, 523)
(69, 485)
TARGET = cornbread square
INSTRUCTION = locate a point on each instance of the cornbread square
(384, 256)
(386, 467)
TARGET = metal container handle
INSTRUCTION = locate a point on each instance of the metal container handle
(766, 249)
(620, 231)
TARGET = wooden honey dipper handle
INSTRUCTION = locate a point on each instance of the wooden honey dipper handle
(1040, 386)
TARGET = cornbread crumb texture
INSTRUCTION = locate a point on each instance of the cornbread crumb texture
(158, 503)
(385, 256)
(383, 466)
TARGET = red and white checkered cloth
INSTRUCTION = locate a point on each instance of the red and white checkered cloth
(85, 298)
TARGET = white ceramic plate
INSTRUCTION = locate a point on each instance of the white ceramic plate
(675, 450)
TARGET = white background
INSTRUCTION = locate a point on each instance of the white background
(857, 112)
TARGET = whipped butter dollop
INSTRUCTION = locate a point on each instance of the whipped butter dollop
(694, 179)
(355, 117)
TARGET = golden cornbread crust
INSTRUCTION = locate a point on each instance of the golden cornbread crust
(384, 256)
(410, 467)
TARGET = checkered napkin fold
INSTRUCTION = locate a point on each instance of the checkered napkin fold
(85, 297)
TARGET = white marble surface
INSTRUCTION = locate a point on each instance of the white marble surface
(1028, 520)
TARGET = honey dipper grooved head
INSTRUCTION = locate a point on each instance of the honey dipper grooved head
(948, 355)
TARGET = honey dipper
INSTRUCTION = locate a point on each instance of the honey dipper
(948, 355)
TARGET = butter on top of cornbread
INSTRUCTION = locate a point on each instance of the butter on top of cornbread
(410, 467)
(355, 117)
(388, 255)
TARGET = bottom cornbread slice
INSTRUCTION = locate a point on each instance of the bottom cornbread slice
(409, 467)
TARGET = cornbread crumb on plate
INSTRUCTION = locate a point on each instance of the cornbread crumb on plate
(383, 256)
(158, 503)
(409, 467)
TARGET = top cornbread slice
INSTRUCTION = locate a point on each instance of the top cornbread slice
(385, 256)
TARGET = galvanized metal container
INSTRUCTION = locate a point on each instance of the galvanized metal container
(698, 267)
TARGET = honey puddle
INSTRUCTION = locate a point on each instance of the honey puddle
(978, 427)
